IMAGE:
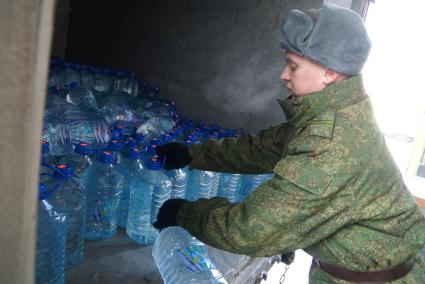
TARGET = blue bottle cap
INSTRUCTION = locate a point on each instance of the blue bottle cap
(151, 149)
(155, 141)
(116, 134)
(106, 157)
(153, 163)
(82, 149)
(63, 171)
(114, 145)
(42, 194)
(134, 154)
(188, 142)
(166, 138)
(45, 147)
(139, 137)
(131, 142)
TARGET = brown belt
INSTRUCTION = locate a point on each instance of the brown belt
(377, 276)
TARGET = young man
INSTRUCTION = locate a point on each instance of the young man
(336, 192)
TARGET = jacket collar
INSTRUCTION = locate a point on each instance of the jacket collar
(299, 110)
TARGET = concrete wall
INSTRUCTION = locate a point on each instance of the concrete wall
(219, 60)
(25, 32)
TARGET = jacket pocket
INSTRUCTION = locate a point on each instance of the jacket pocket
(298, 171)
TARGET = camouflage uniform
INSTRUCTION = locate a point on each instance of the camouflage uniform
(336, 192)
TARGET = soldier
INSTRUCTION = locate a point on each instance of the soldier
(336, 192)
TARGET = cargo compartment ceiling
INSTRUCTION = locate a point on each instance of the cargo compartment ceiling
(219, 60)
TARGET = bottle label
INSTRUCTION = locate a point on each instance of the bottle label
(81, 131)
(194, 257)
(105, 208)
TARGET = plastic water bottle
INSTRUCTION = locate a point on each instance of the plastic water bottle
(250, 182)
(68, 197)
(68, 77)
(102, 82)
(116, 109)
(79, 161)
(230, 185)
(50, 246)
(179, 180)
(200, 185)
(131, 169)
(72, 127)
(156, 126)
(103, 189)
(126, 83)
(82, 97)
(86, 77)
(114, 148)
(145, 202)
(183, 259)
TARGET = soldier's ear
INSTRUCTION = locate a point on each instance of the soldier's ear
(330, 77)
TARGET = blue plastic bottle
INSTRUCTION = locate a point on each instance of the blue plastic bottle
(67, 196)
(230, 186)
(131, 168)
(183, 259)
(179, 180)
(250, 182)
(103, 189)
(75, 126)
(50, 246)
(82, 97)
(145, 202)
(79, 161)
(200, 182)
(68, 77)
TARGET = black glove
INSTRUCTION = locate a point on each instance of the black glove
(167, 215)
(288, 257)
(173, 155)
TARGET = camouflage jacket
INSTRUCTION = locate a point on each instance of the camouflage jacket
(336, 192)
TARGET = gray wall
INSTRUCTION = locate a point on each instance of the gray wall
(25, 32)
(219, 60)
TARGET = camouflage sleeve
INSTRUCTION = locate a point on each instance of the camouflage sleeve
(249, 154)
(286, 213)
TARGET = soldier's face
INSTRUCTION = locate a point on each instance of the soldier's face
(302, 76)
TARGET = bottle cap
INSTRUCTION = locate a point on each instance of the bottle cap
(153, 163)
(114, 145)
(134, 154)
(63, 171)
(45, 147)
(42, 194)
(106, 157)
(131, 142)
(82, 149)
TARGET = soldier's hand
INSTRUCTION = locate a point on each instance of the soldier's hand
(173, 155)
(167, 215)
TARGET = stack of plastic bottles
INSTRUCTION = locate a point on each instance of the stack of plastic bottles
(100, 131)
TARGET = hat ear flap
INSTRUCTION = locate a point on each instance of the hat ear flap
(295, 32)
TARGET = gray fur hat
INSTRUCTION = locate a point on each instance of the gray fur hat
(337, 40)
